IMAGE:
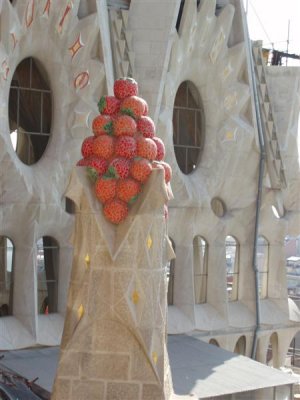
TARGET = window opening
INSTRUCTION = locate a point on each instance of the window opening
(272, 352)
(214, 342)
(200, 249)
(6, 276)
(240, 346)
(47, 273)
(232, 267)
(30, 111)
(188, 127)
(292, 255)
(277, 212)
(70, 206)
(262, 255)
(171, 277)
(293, 354)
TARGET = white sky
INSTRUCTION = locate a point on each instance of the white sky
(268, 21)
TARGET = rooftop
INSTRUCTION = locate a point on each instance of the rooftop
(197, 368)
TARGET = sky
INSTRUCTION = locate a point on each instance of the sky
(268, 20)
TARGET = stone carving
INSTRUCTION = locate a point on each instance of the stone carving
(113, 344)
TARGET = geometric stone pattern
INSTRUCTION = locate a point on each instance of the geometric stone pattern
(51, 32)
(122, 37)
(113, 344)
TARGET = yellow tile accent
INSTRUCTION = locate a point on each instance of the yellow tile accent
(87, 260)
(154, 357)
(229, 135)
(149, 241)
(80, 312)
(135, 297)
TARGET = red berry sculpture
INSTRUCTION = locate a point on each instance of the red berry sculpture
(123, 150)
(133, 106)
(105, 189)
(102, 125)
(115, 211)
(119, 167)
(103, 146)
(87, 147)
(108, 105)
(141, 169)
(125, 87)
(124, 125)
(146, 148)
(160, 155)
(126, 147)
(146, 126)
(128, 189)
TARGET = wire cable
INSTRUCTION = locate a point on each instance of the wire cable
(261, 24)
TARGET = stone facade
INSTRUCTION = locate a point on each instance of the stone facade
(82, 47)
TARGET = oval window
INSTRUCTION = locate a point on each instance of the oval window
(188, 127)
(30, 111)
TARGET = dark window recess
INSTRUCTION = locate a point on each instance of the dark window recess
(188, 127)
(30, 111)
(70, 206)
(47, 274)
(6, 276)
(171, 278)
(200, 261)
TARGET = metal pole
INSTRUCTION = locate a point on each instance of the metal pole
(262, 161)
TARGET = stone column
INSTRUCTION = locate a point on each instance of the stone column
(113, 345)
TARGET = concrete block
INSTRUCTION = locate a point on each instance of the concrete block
(123, 391)
(105, 366)
(83, 390)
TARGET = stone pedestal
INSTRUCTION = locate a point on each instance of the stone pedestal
(113, 344)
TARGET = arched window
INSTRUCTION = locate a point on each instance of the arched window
(171, 277)
(214, 342)
(272, 351)
(6, 276)
(232, 267)
(47, 274)
(293, 352)
(240, 346)
(292, 251)
(200, 250)
(188, 127)
(262, 256)
(30, 111)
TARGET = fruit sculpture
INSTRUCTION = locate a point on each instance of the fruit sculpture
(123, 150)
